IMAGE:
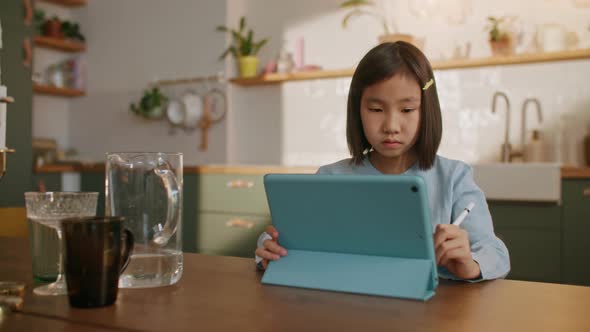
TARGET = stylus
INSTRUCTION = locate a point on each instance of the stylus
(463, 214)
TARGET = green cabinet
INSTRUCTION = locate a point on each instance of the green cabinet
(49, 181)
(94, 181)
(16, 76)
(232, 212)
(576, 231)
(230, 234)
(233, 193)
(190, 208)
(532, 233)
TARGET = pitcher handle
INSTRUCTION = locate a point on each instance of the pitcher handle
(162, 234)
(126, 249)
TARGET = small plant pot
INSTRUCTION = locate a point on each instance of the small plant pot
(502, 47)
(393, 37)
(155, 113)
(248, 66)
(52, 28)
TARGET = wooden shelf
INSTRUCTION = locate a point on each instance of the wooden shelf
(54, 91)
(67, 3)
(436, 65)
(518, 59)
(59, 44)
(57, 168)
(275, 78)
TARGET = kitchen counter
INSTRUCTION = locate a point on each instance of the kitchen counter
(567, 172)
(204, 169)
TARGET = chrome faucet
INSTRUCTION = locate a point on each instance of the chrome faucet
(523, 124)
(507, 152)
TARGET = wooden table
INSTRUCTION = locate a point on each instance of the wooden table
(225, 294)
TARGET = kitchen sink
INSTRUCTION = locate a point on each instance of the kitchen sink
(535, 182)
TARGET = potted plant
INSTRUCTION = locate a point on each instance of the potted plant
(501, 41)
(390, 31)
(151, 105)
(52, 28)
(244, 48)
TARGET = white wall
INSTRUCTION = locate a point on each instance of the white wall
(51, 115)
(313, 113)
(131, 43)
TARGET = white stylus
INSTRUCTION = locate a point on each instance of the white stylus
(463, 214)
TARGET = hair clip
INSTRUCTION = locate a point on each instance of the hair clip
(428, 84)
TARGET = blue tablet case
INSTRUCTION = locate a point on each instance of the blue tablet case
(353, 233)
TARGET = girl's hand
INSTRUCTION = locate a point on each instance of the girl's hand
(271, 250)
(451, 246)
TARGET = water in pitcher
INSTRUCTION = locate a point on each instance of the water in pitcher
(151, 268)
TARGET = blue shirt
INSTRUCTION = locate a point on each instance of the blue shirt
(451, 188)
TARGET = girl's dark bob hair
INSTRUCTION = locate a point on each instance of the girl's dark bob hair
(379, 64)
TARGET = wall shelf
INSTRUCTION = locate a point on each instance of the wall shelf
(67, 3)
(59, 44)
(59, 92)
(519, 59)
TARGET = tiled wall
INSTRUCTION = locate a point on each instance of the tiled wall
(311, 115)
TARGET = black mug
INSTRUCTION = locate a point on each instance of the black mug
(97, 251)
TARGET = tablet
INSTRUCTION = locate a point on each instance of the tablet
(368, 234)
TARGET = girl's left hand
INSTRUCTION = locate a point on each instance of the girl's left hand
(451, 246)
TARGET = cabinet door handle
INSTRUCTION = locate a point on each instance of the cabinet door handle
(7, 100)
(234, 184)
(28, 12)
(586, 192)
(28, 52)
(240, 223)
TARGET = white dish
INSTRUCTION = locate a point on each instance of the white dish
(193, 105)
(217, 104)
(175, 112)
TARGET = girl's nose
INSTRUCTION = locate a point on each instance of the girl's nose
(391, 123)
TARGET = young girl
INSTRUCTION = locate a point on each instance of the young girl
(394, 126)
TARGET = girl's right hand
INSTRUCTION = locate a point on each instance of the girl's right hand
(271, 251)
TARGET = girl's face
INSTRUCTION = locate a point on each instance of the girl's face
(390, 113)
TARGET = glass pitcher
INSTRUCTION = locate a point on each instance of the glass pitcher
(146, 189)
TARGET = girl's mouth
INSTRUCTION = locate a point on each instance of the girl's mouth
(391, 143)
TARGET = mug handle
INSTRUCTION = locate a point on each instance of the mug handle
(126, 249)
(163, 233)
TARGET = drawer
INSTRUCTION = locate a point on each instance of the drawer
(526, 215)
(229, 234)
(535, 255)
(232, 193)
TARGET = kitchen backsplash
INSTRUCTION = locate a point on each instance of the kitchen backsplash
(314, 116)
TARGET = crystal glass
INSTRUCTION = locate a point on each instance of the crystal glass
(49, 208)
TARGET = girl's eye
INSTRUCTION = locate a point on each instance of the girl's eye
(408, 110)
(375, 110)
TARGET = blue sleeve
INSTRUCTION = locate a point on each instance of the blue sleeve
(323, 170)
(486, 249)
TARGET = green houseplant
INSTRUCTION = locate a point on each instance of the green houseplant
(243, 48)
(71, 30)
(500, 39)
(151, 105)
(368, 8)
